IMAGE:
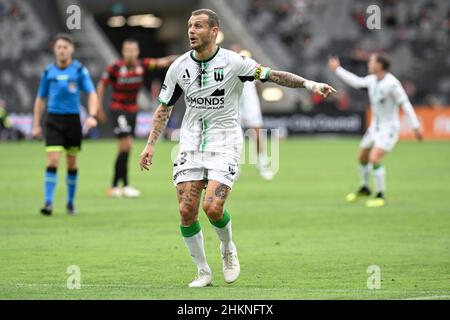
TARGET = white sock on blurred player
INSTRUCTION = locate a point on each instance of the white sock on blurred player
(364, 174)
(264, 169)
(262, 161)
(379, 173)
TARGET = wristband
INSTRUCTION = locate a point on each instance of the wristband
(309, 84)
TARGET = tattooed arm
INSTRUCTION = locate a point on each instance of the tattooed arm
(159, 123)
(290, 80)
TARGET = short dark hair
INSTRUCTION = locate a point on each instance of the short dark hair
(213, 18)
(384, 61)
(63, 36)
(130, 40)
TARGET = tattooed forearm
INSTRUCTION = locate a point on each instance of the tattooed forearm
(286, 79)
(160, 119)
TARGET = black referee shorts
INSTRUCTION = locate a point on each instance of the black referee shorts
(63, 132)
(123, 123)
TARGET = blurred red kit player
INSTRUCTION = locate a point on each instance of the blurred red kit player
(126, 77)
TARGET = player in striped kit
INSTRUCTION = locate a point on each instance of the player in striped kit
(126, 76)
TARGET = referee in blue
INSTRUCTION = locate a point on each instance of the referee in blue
(61, 84)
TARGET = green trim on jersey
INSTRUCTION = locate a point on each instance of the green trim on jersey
(204, 140)
(204, 77)
(206, 60)
(161, 101)
(267, 73)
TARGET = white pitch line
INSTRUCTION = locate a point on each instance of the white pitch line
(429, 298)
(431, 293)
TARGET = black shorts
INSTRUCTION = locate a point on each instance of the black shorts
(123, 122)
(63, 131)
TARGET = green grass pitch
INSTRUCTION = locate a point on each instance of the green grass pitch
(296, 236)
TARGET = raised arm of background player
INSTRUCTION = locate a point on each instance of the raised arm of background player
(398, 93)
(155, 63)
(283, 78)
(39, 104)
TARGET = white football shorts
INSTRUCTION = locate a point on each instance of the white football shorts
(385, 139)
(205, 165)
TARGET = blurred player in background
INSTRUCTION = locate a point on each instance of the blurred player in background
(251, 118)
(126, 77)
(211, 137)
(386, 95)
(61, 84)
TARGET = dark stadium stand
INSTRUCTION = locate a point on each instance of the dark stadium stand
(27, 29)
(297, 35)
(414, 33)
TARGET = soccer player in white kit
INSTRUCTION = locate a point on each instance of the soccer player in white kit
(386, 95)
(211, 137)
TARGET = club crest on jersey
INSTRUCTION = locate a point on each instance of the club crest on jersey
(218, 74)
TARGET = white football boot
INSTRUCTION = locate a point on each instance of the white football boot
(266, 174)
(203, 279)
(130, 192)
(230, 263)
(115, 192)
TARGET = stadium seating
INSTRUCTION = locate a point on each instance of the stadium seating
(416, 35)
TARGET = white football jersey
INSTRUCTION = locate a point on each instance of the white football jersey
(212, 89)
(385, 96)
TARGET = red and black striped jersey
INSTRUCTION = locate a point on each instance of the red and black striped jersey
(126, 82)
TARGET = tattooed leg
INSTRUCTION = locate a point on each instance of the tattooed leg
(189, 195)
(214, 200)
(213, 204)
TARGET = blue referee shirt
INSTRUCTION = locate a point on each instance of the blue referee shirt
(63, 86)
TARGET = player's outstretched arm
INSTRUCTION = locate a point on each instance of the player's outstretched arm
(159, 123)
(349, 78)
(165, 62)
(290, 80)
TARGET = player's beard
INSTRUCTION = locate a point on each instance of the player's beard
(204, 44)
